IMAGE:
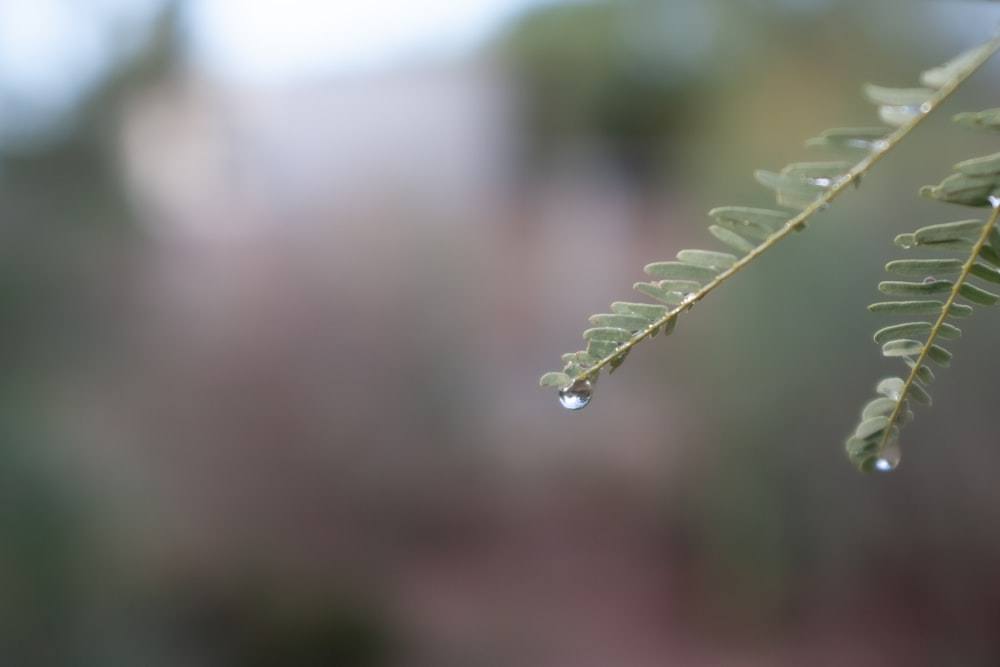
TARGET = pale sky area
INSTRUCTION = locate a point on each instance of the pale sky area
(272, 40)
(51, 51)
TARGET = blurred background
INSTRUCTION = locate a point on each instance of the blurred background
(278, 280)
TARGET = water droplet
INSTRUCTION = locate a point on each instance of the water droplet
(819, 181)
(906, 246)
(929, 279)
(889, 459)
(867, 144)
(688, 300)
(890, 387)
(883, 464)
(925, 107)
(864, 144)
(994, 201)
(900, 114)
(577, 395)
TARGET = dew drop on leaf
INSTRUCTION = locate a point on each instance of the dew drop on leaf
(900, 114)
(577, 395)
(929, 279)
(883, 464)
(889, 459)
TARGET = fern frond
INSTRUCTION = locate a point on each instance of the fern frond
(875, 443)
(807, 187)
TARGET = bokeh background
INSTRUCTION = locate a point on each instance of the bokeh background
(278, 279)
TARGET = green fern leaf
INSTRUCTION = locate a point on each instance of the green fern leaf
(631, 323)
(948, 231)
(923, 373)
(607, 334)
(732, 239)
(808, 187)
(850, 139)
(645, 310)
(902, 97)
(939, 355)
(980, 120)
(984, 272)
(908, 241)
(939, 76)
(988, 165)
(681, 271)
(926, 307)
(556, 380)
(874, 445)
(902, 348)
(964, 189)
(797, 192)
(978, 295)
(716, 261)
(768, 219)
(902, 288)
(879, 406)
(924, 267)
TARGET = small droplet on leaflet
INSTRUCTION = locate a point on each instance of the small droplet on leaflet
(577, 395)
(900, 114)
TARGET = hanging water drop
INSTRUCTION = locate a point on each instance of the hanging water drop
(994, 201)
(577, 395)
(883, 464)
(889, 459)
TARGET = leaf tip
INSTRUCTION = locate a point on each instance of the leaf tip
(555, 379)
